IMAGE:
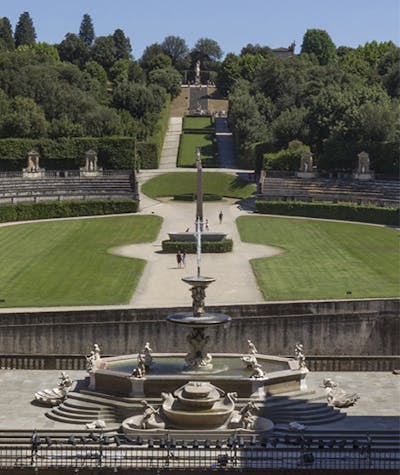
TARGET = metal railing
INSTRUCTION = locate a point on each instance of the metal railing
(199, 455)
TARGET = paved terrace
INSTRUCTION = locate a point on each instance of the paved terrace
(376, 410)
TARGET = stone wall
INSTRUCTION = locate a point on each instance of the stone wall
(342, 327)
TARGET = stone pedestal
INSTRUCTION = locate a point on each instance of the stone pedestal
(363, 176)
(311, 174)
(363, 173)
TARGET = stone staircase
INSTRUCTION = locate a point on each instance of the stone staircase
(169, 154)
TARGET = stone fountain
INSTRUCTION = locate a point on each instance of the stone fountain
(198, 390)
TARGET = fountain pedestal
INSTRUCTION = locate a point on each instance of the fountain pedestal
(198, 357)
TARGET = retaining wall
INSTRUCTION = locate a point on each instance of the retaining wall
(341, 327)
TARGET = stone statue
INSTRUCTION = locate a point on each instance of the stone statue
(306, 162)
(257, 371)
(92, 358)
(56, 395)
(96, 350)
(197, 72)
(197, 356)
(149, 413)
(336, 396)
(252, 350)
(249, 360)
(148, 358)
(299, 355)
(363, 163)
(140, 371)
(248, 415)
(198, 296)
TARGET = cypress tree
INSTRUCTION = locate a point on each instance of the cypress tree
(25, 31)
(122, 45)
(6, 36)
(86, 31)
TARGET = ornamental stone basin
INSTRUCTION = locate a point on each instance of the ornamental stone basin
(113, 375)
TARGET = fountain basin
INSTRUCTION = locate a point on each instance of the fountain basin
(113, 375)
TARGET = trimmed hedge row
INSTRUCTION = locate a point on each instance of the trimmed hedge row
(193, 197)
(342, 211)
(64, 209)
(190, 247)
(68, 153)
(150, 151)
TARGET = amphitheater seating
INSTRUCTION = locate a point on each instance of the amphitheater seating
(110, 185)
(381, 192)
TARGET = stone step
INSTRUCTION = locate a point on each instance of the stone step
(310, 419)
(111, 423)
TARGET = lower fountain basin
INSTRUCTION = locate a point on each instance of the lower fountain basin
(168, 372)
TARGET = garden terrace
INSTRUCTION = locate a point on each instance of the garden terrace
(67, 185)
(380, 192)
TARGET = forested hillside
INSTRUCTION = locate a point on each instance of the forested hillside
(337, 101)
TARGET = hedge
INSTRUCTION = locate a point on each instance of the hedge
(190, 247)
(341, 211)
(63, 209)
(150, 151)
(193, 196)
(68, 153)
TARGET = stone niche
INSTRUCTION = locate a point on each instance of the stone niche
(91, 168)
(363, 171)
(306, 166)
(33, 169)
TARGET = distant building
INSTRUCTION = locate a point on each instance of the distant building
(289, 51)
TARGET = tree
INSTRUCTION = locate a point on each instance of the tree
(6, 37)
(319, 43)
(25, 119)
(73, 49)
(176, 48)
(264, 51)
(24, 31)
(168, 78)
(86, 31)
(148, 55)
(123, 46)
(207, 49)
(104, 51)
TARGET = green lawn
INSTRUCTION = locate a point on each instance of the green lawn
(68, 263)
(217, 183)
(323, 260)
(187, 150)
(197, 123)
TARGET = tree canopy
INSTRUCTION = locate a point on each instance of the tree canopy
(25, 33)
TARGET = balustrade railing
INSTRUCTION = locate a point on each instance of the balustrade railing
(314, 362)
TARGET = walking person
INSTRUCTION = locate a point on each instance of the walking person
(184, 260)
(179, 259)
(220, 216)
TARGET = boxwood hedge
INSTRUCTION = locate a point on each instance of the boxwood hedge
(342, 211)
(63, 209)
(190, 247)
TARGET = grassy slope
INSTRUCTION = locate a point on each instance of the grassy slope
(68, 263)
(214, 183)
(323, 259)
(187, 149)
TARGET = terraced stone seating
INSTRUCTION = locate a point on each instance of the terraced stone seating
(382, 192)
(112, 185)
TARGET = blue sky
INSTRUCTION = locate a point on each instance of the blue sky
(232, 23)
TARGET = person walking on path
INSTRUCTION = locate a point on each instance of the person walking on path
(221, 216)
(184, 260)
(179, 259)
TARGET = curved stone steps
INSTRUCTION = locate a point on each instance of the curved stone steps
(310, 419)
(59, 416)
